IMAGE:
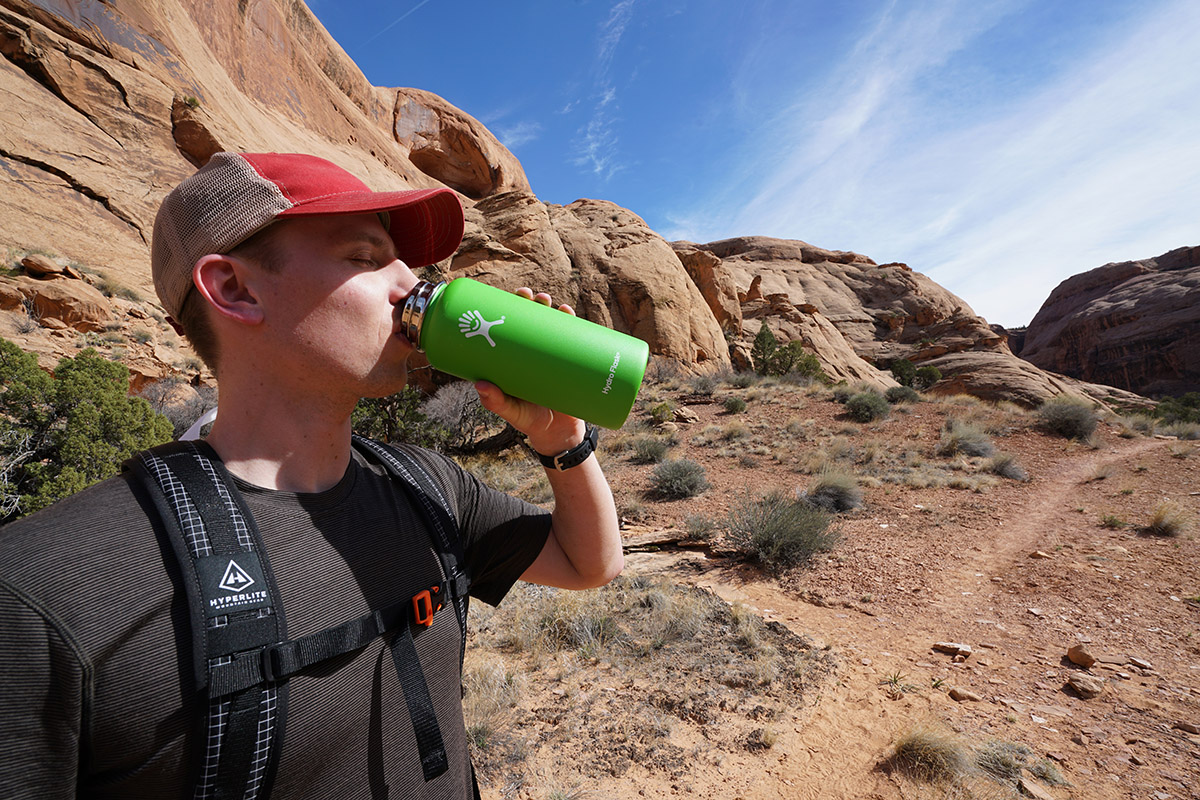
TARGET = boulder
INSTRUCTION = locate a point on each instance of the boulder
(1086, 686)
(76, 304)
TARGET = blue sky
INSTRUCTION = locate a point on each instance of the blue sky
(998, 146)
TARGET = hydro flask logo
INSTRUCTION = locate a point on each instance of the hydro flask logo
(472, 323)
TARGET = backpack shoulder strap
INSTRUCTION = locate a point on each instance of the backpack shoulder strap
(430, 499)
(235, 610)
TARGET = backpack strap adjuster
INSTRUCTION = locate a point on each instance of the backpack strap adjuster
(272, 665)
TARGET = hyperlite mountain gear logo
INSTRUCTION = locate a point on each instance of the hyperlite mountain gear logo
(232, 583)
(472, 323)
(235, 579)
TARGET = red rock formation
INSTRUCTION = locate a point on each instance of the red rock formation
(1134, 325)
(108, 105)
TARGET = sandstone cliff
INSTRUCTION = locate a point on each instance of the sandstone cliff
(1134, 325)
(110, 104)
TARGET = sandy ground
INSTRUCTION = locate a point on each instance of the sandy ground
(1019, 571)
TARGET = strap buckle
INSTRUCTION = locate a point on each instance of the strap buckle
(272, 662)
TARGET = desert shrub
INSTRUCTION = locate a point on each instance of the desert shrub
(60, 434)
(703, 385)
(867, 406)
(649, 449)
(1185, 408)
(678, 479)
(700, 528)
(734, 405)
(180, 406)
(742, 380)
(457, 409)
(780, 532)
(902, 394)
(663, 412)
(1168, 519)
(399, 418)
(903, 371)
(661, 370)
(1068, 417)
(835, 491)
(1182, 430)
(965, 438)
(925, 377)
(1006, 466)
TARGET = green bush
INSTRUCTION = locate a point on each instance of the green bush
(902, 394)
(793, 360)
(764, 346)
(925, 377)
(678, 479)
(1068, 417)
(867, 406)
(663, 412)
(780, 532)
(1185, 408)
(903, 371)
(398, 418)
(835, 492)
(61, 434)
(734, 405)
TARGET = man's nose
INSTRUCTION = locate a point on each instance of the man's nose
(404, 281)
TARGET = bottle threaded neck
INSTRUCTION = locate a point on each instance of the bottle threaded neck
(414, 310)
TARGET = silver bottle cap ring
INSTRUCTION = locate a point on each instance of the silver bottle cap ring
(414, 310)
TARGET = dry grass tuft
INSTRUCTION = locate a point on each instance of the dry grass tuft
(932, 754)
(1168, 519)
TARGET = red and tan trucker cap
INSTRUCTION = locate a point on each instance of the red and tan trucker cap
(235, 195)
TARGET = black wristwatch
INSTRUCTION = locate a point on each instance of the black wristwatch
(576, 455)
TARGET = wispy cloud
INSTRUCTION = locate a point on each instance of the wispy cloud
(598, 141)
(1000, 201)
(515, 134)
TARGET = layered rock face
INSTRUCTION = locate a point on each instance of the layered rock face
(1134, 325)
(854, 313)
(109, 104)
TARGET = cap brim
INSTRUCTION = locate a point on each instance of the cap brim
(426, 224)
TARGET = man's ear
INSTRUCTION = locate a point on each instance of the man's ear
(225, 282)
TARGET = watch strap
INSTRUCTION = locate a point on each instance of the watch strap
(574, 456)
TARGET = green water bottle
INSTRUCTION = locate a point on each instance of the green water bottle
(478, 332)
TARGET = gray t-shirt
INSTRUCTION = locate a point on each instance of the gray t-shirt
(96, 696)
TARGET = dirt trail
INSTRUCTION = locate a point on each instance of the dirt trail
(834, 751)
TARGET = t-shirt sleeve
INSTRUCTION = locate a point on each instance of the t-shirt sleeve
(41, 703)
(501, 534)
